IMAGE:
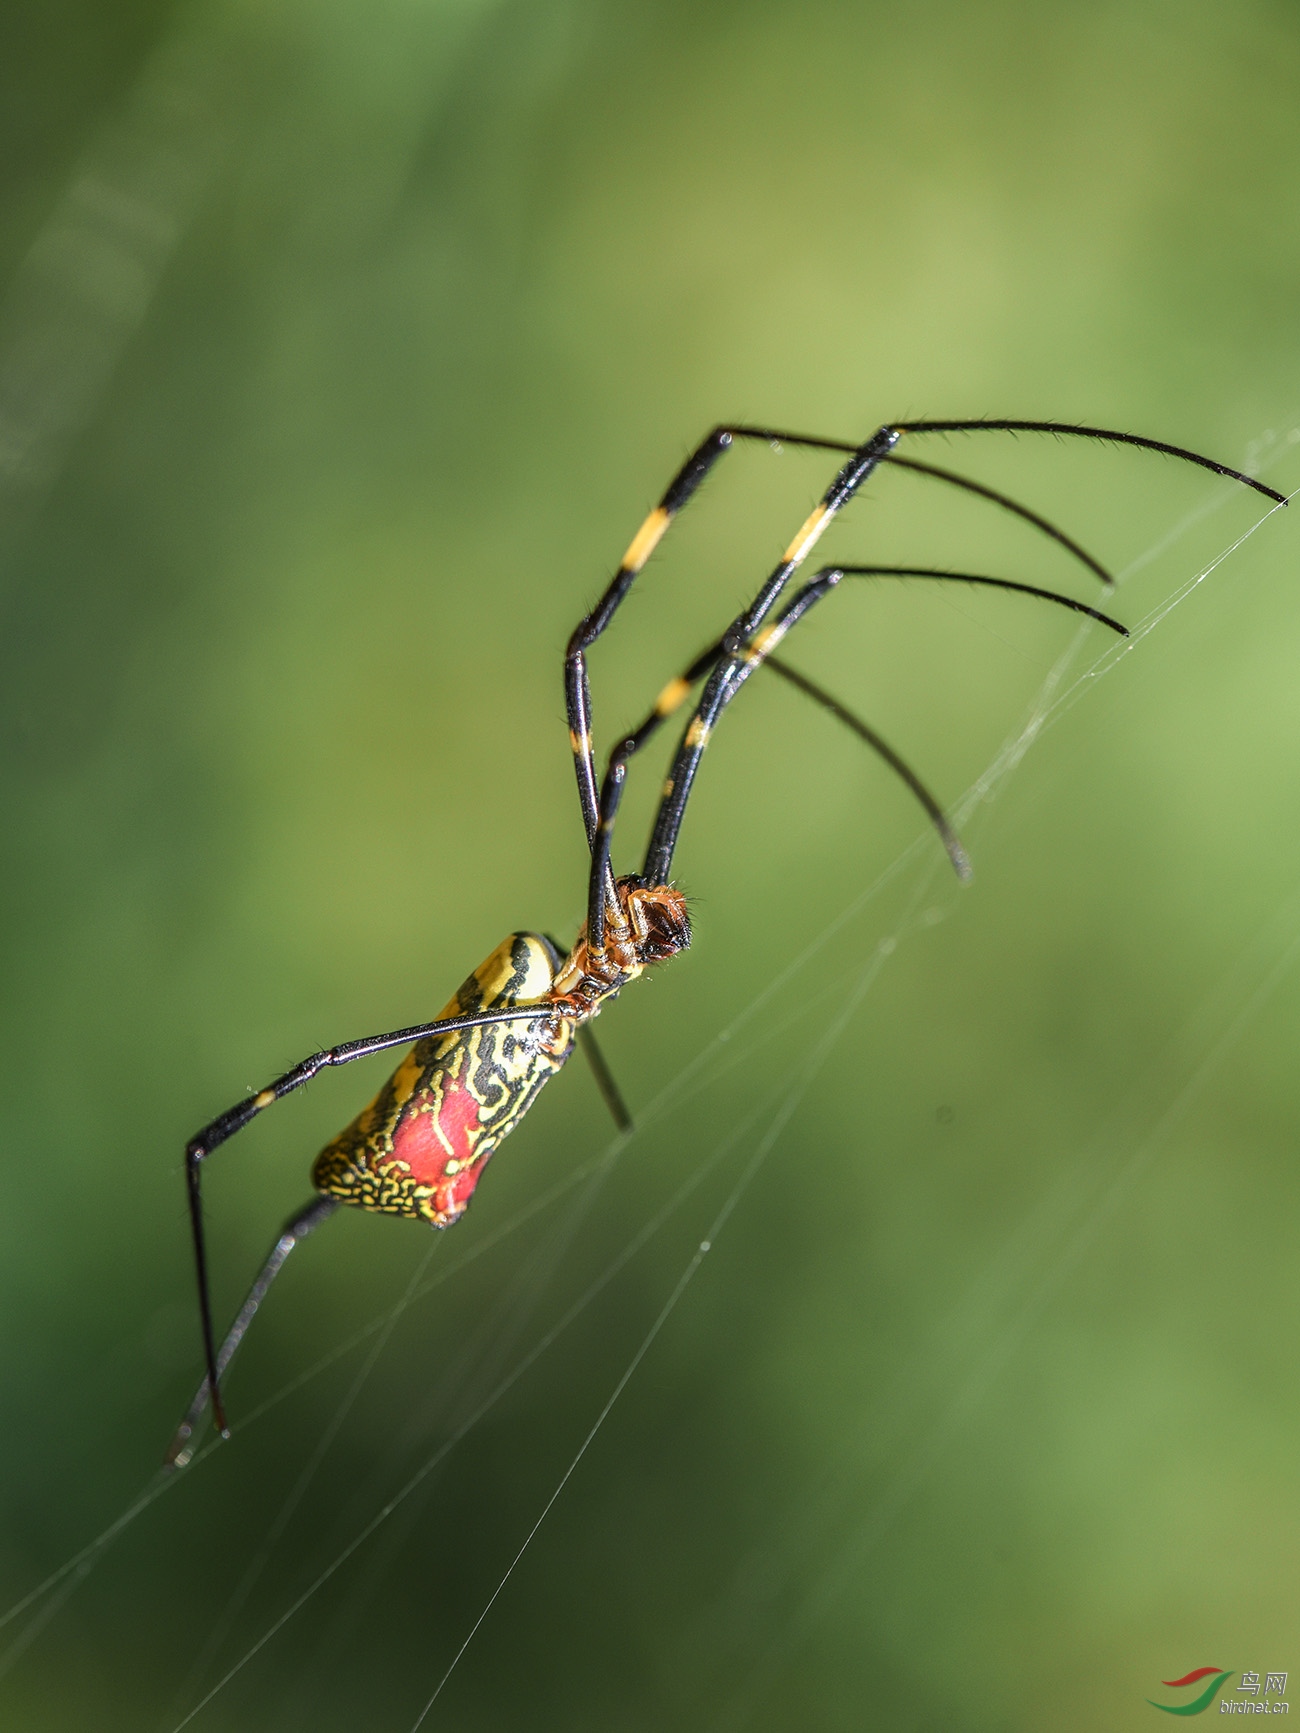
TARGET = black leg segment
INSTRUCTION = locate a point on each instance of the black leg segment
(577, 691)
(299, 1225)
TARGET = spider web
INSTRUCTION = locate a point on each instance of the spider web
(1030, 1268)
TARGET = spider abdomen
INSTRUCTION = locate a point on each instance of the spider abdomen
(420, 1147)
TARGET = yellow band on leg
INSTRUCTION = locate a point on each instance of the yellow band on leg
(646, 540)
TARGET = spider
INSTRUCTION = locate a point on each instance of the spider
(420, 1147)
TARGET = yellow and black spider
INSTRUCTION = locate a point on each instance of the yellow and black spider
(420, 1147)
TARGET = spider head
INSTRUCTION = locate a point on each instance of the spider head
(657, 917)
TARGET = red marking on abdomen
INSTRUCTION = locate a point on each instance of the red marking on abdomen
(425, 1142)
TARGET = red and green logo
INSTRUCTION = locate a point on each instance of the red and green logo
(1199, 1704)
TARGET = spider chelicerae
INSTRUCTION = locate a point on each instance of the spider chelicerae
(420, 1147)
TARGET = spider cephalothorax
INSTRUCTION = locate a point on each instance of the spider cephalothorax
(646, 924)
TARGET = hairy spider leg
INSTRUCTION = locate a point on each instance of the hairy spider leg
(934, 812)
(760, 653)
(610, 1092)
(819, 695)
(676, 496)
(992, 583)
(296, 1229)
(1045, 525)
(708, 658)
(716, 694)
(697, 467)
(1077, 430)
(738, 635)
(850, 477)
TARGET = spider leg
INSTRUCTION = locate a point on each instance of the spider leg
(862, 461)
(1077, 431)
(300, 1224)
(706, 660)
(609, 1090)
(717, 695)
(610, 1093)
(577, 691)
(992, 583)
(728, 674)
(235, 1118)
(693, 472)
(938, 818)
(1008, 504)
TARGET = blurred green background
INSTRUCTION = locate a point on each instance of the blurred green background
(342, 349)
